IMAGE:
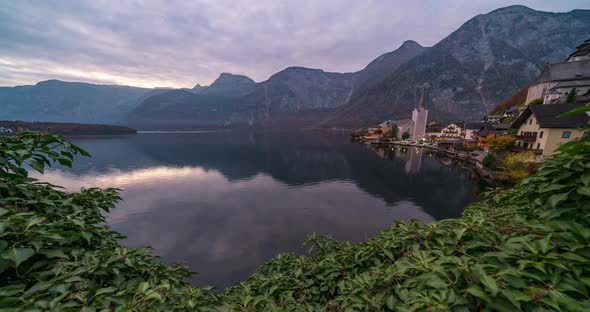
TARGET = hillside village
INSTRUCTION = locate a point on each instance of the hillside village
(534, 128)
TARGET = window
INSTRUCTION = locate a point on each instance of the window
(566, 134)
(521, 132)
(531, 121)
(538, 145)
(541, 135)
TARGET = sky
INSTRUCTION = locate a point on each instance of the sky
(176, 43)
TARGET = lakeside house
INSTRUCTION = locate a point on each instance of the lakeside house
(488, 131)
(433, 132)
(453, 131)
(541, 129)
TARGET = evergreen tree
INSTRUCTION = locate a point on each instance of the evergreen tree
(571, 97)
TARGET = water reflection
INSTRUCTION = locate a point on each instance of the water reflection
(224, 203)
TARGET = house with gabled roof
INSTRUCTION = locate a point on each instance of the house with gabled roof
(540, 127)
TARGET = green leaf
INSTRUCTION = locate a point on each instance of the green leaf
(555, 199)
(390, 302)
(53, 253)
(489, 282)
(584, 190)
(105, 290)
(65, 162)
(143, 286)
(18, 255)
(477, 292)
(40, 286)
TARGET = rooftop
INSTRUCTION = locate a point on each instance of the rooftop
(565, 71)
(582, 51)
(547, 116)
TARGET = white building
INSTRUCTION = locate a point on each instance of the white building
(420, 119)
(557, 80)
(540, 127)
(453, 131)
(403, 125)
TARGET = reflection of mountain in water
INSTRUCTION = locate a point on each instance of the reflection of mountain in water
(294, 159)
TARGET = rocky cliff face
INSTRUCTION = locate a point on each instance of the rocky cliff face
(484, 61)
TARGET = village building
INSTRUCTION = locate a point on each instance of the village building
(433, 132)
(556, 81)
(403, 125)
(420, 119)
(489, 131)
(492, 118)
(470, 133)
(540, 127)
(453, 130)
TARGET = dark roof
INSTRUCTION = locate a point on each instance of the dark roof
(500, 126)
(435, 128)
(493, 128)
(548, 116)
(565, 71)
(571, 84)
(474, 125)
(582, 49)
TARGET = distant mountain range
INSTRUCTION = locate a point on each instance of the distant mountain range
(466, 74)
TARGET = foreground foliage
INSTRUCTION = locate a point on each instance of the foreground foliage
(525, 248)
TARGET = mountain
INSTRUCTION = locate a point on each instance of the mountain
(386, 64)
(465, 75)
(238, 100)
(298, 90)
(61, 101)
(182, 109)
(198, 88)
(484, 61)
(200, 107)
(232, 85)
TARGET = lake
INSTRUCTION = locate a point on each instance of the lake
(226, 202)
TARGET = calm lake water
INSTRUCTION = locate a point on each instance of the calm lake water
(224, 203)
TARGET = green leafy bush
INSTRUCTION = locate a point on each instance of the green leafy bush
(524, 248)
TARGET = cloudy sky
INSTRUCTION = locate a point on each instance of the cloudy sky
(169, 43)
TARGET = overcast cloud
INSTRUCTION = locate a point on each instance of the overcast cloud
(180, 43)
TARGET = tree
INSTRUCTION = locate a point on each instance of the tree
(405, 135)
(501, 143)
(393, 132)
(571, 97)
(536, 101)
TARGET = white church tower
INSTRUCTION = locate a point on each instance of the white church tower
(420, 117)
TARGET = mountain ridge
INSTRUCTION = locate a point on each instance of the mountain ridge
(475, 67)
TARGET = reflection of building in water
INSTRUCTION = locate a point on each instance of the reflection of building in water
(414, 161)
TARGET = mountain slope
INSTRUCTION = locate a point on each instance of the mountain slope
(182, 109)
(229, 84)
(61, 101)
(386, 64)
(484, 61)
